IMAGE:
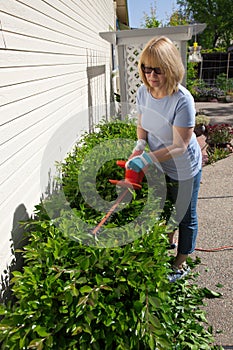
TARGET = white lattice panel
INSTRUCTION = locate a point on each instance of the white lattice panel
(133, 81)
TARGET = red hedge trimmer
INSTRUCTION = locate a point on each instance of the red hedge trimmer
(132, 180)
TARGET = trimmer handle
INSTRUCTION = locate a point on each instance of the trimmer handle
(132, 178)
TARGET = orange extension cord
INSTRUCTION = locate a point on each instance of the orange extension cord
(212, 250)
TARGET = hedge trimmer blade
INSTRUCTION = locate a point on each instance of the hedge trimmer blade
(110, 212)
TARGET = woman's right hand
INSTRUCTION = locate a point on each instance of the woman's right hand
(135, 154)
(139, 148)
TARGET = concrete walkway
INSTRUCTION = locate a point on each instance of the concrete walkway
(217, 112)
(215, 207)
(215, 211)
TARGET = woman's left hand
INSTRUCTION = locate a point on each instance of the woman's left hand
(139, 162)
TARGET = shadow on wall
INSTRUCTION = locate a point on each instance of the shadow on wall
(97, 99)
(18, 240)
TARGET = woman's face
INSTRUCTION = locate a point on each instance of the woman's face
(154, 76)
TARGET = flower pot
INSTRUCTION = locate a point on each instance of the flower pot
(229, 98)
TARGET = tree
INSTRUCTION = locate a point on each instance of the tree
(150, 20)
(177, 19)
(217, 14)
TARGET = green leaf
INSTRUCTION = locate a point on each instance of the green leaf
(85, 289)
(3, 310)
(164, 343)
(85, 263)
(76, 330)
(138, 305)
(82, 301)
(154, 301)
(36, 344)
(106, 288)
(86, 328)
(154, 320)
(151, 342)
(81, 280)
(4, 327)
(17, 274)
(210, 293)
(41, 331)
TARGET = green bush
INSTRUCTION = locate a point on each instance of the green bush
(215, 154)
(81, 297)
(224, 83)
(192, 77)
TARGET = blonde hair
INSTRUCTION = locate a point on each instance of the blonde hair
(161, 52)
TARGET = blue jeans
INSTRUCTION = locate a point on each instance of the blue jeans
(182, 197)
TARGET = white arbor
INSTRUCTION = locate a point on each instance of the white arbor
(129, 44)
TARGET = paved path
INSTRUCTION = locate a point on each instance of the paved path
(215, 211)
(216, 230)
(217, 112)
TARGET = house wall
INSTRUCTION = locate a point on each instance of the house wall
(47, 50)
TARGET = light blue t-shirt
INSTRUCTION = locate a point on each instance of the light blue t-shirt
(158, 117)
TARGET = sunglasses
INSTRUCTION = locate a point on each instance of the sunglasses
(148, 70)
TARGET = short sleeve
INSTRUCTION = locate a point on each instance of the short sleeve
(141, 98)
(185, 112)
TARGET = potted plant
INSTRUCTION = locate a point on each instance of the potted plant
(201, 123)
(207, 93)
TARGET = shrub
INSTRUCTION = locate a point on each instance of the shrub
(79, 297)
(215, 154)
(224, 83)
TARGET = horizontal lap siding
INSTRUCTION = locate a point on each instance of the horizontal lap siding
(45, 50)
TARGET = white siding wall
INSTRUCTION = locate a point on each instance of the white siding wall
(46, 51)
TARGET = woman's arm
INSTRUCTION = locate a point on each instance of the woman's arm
(181, 139)
(141, 142)
(141, 133)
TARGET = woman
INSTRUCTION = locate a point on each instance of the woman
(166, 121)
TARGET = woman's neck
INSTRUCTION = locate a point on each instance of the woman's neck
(158, 93)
